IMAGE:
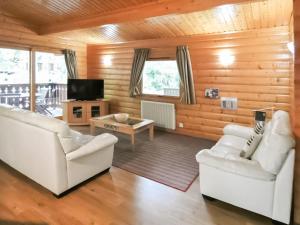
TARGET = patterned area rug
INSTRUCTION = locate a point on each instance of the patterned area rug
(168, 159)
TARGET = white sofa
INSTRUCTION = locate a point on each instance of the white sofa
(263, 183)
(47, 151)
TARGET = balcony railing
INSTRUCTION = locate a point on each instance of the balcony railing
(172, 92)
(49, 97)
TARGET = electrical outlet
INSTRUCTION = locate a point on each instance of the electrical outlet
(180, 125)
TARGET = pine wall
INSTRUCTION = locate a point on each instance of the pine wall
(261, 76)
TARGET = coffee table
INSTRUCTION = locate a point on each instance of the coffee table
(131, 127)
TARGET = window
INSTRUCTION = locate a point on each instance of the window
(51, 66)
(161, 78)
(51, 83)
(14, 77)
(39, 67)
(50, 80)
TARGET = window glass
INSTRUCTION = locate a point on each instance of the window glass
(14, 77)
(161, 78)
(51, 83)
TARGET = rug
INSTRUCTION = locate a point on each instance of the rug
(168, 159)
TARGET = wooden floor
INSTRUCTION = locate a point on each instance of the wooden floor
(115, 198)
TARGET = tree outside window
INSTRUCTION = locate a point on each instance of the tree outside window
(161, 78)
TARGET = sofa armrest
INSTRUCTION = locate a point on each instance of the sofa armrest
(96, 144)
(237, 130)
(283, 192)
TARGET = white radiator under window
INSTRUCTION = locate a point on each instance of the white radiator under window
(162, 113)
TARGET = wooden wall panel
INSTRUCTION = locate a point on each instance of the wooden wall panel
(15, 33)
(296, 107)
(259, 77)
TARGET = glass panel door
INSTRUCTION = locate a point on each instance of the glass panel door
(77, 112)
(51, 83)
(95, 111)
(14, 77)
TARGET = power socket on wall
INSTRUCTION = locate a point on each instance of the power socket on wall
(180, 125)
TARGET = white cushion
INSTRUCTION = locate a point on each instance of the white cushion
(58, 126)
(276, 143)
(232, 141)
(36, 119)
(281, 123)
(234, 164)
(224, 150)
(237, 130)
(272, 151)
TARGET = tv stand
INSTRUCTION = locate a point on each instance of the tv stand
(80, 112)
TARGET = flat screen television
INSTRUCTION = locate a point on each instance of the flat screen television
(85, 89)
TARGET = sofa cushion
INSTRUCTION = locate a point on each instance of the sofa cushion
(234, 164)
(36, 119)
(238, 131)
(224, 150)
(281, 123)
(48, 123)
(272, 151)
(276, 143)
(232, 141)
(251, 145)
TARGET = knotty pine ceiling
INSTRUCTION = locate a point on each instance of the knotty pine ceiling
(225, 18)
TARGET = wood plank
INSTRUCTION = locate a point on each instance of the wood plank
(295, 24)
(16, 35)
(260, 76)
(110, 199)
(143, 11)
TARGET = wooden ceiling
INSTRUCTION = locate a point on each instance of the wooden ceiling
(42, 12)
(146, 19)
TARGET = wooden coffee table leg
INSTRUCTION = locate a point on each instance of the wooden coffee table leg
(132, 139)
(92, 129)
(151, 133)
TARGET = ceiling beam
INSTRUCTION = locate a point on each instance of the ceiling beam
(139, 12)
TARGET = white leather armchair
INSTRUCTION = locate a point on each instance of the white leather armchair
(47, 151)
(262, 184)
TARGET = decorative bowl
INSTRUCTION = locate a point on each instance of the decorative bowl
(121, 117)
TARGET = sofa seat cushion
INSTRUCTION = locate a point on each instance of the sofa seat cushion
(232, 163)
(234, 142)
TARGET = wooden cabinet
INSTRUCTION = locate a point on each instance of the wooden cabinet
(80, 112)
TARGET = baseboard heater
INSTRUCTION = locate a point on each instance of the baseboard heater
(162, 113)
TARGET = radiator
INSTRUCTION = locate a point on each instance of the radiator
(163, 114)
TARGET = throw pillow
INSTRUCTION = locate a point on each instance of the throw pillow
(251, 145)
(259, 128)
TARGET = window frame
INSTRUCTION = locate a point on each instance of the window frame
(32, 68)
(166, 97)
